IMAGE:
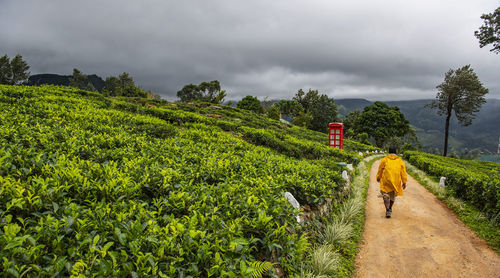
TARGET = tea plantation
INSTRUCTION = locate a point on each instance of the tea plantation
(105, 187)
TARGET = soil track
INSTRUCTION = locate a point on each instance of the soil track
(422, 239)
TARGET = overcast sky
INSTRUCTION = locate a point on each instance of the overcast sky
(378, 50)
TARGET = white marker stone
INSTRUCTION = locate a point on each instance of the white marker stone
(442, 181)
(345, 176)
(292, 200)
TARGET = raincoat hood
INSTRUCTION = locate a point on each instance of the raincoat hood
(392, 156)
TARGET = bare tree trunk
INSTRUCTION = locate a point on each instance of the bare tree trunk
(447, 127)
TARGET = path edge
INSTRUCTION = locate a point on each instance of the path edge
(470, 216)
(361, 184)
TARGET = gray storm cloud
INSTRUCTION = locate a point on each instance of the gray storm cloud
(383, 50)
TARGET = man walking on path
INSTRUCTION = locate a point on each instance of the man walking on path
(392, 177)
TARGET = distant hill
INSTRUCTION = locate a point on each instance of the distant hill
(56, 79)
(353, 103)
(483, 133)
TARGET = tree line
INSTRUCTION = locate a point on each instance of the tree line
(121, 85)
(13, 71)
(377, 124)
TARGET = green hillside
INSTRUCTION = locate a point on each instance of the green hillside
(136, 187)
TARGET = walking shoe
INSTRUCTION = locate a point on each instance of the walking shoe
(388, 213)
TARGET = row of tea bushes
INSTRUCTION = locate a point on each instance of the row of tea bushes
(475, 181)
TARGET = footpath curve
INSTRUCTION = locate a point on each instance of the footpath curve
(422, 239)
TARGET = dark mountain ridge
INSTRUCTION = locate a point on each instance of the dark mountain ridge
(56, 79)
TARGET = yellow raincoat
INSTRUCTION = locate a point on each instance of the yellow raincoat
(391, 174)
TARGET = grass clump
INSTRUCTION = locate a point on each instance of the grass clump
(337, 232)
(350, 210)
(324, 261)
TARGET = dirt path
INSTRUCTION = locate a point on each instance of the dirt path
(422, 239)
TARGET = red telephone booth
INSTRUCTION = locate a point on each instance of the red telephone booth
(336, 135)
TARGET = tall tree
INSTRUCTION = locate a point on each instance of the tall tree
(206, 91)
(128, 87)
(20, 69)
(489, 33)
(381, 122)
(123, 85)
(5, 70)
(351, 121)
(81, 81)
(273, 112)
(212, 91)
(13, 71)
(303, 119)
(290, 107)
(250, 103)
(461, 92)
(321, 108)
(126, 80)
(112, 86)
(306, 99)
(323, 111)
